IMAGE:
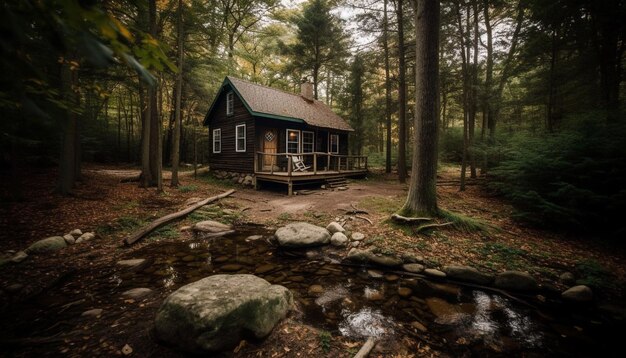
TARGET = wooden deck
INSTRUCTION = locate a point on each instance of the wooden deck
(345, 167)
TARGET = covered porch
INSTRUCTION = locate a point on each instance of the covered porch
(293, 168)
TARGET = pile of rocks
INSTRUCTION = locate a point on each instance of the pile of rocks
(302, 234)
(48, 245)
(245, 179)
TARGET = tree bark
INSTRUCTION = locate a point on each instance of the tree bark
(402, 172)
(179, 90)
(67, 163)
(387, 87)
(422, 196)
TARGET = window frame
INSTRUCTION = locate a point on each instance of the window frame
(330, 143)
(217, 130)
(312, 142)
(287, 141)
(230, 103)
(237, 138)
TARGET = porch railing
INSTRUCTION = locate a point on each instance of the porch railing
(316, 162)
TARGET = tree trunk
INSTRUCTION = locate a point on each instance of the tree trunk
(487, 108)
(67, 164)
(402, 173)
(179, 90)
(474, 93)
(465, 95)
(422, 196)
(387, 88)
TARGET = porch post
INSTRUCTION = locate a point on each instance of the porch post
(314, 163)
(289, 188)
(289, 166)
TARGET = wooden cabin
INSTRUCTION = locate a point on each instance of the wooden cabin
(277, 136)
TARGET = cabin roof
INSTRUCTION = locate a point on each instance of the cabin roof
(263, 101)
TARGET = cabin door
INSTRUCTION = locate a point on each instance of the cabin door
(270, 144)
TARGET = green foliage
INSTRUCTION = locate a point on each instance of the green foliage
(463, 222)
(166, 232)
(572, 179)
(451, 145)
(187, 188)
(128, 223)
(593, 274)
(325, 340)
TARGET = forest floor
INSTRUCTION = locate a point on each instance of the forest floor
(112, 210)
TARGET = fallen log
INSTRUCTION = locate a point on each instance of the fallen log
(406, 220)
(367, 347)
(138, 235)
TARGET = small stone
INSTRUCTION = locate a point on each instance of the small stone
(516, 281)
(14, 288)
(253, 238)
(373, 295)
(404, 291)
(76, 232)
(131, 262)
(85, 237)
(19, 257)
(231, 267)
(580, 293)
(409, 258)
(264, 268)
(392, 277)
(414, 268)
(339, 239)
(420, 327)
(137, 293)
(567, 278)
(127, 350)
(342, 188)
(185, 228)
(211, 226)
(316, 289)
(375, 274)
(334, 227)
(355, 244)
(468, 274)
(69, 239)
(47, 245)
(434, 273)
(96, 312)
(357, 236)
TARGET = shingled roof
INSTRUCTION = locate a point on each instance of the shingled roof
(269, 102)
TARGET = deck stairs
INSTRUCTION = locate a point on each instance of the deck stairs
(336, 182)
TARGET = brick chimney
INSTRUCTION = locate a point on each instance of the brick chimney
(306, 90)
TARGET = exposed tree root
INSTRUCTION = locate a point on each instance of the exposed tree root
(408, 220)
(431, 226)
(366, 348)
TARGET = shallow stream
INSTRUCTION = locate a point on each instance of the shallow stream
(359, 302)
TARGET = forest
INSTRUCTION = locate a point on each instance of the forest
(501, 118)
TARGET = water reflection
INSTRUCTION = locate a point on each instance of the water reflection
(365, 323)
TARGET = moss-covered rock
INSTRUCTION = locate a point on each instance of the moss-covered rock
(46, 245)
(215, 313)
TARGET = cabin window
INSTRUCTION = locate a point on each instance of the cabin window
(307, 142)
(240, 138)
(217, 140)
(293, 141)
(230, 103)
(334, 143)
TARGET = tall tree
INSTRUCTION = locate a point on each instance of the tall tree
(402, 172)
(357, 74)
(178, 91)
(387, 86)
(320, 40)
(422, 196)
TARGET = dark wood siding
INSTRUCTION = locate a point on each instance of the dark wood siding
(229, 159)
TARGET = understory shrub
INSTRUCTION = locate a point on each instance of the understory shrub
(573, 179)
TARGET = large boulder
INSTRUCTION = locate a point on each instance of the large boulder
(516, 281)
(467, 274)
(301, 234)
(215, 313)
(368, 256)
(46, 245)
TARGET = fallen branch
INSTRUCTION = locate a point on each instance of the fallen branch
(171, 217)
(364, 218)
(406, 220)
(430, 226)
(367, 347)
(352, 212)
(130, 179)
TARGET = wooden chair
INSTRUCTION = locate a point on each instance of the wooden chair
(298, 164)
